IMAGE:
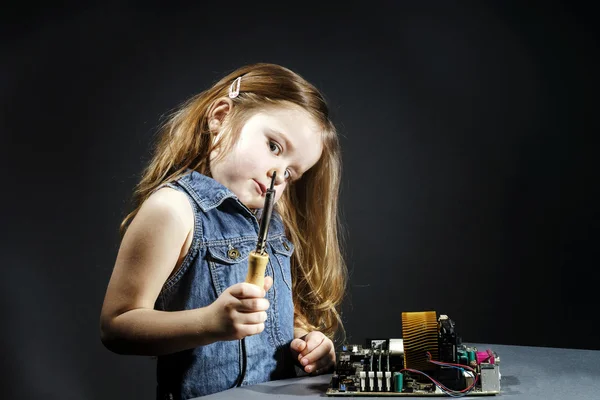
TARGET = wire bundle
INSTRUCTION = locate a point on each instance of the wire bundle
(446, 390)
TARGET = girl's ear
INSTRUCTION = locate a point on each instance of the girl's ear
(217, 113)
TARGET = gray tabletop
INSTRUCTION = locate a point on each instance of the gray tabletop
(526, 373)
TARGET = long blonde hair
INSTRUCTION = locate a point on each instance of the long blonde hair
(309, 206)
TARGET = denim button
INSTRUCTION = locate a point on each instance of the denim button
(234, 254)
(286, 246)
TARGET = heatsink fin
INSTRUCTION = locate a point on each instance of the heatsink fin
(420, 335)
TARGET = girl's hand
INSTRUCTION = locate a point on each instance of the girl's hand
(315, 352)
(240, 311)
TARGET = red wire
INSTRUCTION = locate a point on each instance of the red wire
(445, 363)
(454, 365)
(440, 384)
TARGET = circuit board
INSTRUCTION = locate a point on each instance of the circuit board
(430, 360)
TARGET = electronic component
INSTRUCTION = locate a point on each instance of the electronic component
(419, 331)
(430, 360)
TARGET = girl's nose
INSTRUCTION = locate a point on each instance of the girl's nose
(279, 176)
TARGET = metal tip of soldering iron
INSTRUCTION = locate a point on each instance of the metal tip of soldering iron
(273, 180)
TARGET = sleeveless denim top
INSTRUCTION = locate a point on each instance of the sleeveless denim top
(225, 231)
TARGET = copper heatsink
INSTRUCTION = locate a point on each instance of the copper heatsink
(420, 335)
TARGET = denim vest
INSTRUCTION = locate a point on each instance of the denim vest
(225, 231)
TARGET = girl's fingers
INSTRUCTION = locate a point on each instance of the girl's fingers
(254, 305)
(253, 318)
(298, 345)
(245, 290)
(321, 351)
(315, 352)
(321, 365)
(313, 340)
(268, 283)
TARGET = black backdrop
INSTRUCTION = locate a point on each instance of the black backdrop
(470, 185)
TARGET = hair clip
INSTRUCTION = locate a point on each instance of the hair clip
(233, 93)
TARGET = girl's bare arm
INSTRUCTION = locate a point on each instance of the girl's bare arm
(148, 254)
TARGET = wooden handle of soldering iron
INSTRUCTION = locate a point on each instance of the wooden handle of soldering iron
(257, 265)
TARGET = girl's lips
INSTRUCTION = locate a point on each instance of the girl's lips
(262, 189)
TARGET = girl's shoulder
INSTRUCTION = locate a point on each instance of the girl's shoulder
(169, 203)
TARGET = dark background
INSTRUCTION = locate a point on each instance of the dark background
(470, 187)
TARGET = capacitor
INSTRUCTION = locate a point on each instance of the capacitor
(335, 381)
(461, 357)
(398, 382)
(471, 358)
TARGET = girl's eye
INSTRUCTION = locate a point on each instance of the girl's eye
(277, 150)
(275, 147)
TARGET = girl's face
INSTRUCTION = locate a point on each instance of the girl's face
(282, 139)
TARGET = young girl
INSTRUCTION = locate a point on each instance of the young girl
(177, 290)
